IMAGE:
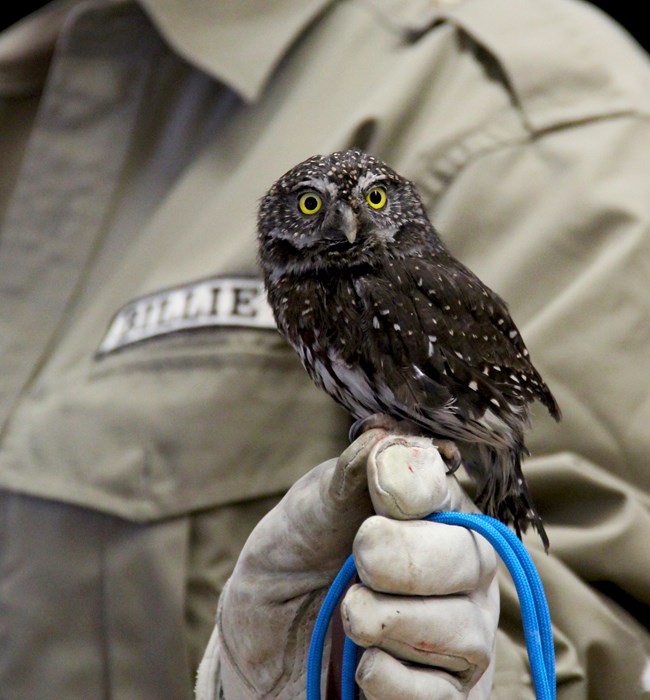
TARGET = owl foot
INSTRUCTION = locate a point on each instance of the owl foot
(378, 421)
(447, 448)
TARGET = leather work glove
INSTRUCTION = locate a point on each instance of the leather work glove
(428, 595)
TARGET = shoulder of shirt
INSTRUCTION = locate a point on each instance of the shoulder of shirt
(564, 61)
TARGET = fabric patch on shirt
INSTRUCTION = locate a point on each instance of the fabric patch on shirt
(212, 303)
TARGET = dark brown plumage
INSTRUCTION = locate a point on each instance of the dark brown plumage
(387, 321)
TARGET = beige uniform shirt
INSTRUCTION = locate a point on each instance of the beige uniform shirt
(140, 373)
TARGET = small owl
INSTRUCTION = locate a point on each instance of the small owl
(389, 323)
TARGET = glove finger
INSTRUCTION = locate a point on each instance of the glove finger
(418, 557)
(407, 478)
(382, 677)
(454, 633)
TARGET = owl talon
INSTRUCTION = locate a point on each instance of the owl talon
(450, 454)
(356, 429)
(378, 421)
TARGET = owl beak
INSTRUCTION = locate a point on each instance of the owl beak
(348, 221)
(341, 219)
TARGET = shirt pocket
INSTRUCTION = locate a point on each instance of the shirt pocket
(188, 421)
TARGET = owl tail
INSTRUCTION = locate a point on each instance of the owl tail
(503, 491)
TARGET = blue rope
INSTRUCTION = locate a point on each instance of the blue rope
(539, 597)
(535, 614)
(334, 594)
(351, 652)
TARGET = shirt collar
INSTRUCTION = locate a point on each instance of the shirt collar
(239, 42)
(26, 48)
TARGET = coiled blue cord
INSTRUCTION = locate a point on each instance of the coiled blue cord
(535, 614)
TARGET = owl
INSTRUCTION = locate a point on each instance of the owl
(393, 327)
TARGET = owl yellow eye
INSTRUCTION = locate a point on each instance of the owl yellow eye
(310, 203)
(377, 198)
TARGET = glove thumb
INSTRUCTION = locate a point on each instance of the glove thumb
(287, 564)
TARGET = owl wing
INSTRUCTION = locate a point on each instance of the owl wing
(442, 339)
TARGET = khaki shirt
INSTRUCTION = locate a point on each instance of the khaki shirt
(141, 375)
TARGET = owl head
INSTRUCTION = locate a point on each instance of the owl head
(339, 210)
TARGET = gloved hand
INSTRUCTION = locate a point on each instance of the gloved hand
(429, 593)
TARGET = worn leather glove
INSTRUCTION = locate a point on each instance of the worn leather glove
(428, 595)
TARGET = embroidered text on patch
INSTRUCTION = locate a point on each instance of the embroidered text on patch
(232, 301)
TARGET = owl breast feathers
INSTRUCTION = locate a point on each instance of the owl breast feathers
(387, 321)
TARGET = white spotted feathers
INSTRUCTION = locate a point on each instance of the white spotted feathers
(387, 321)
